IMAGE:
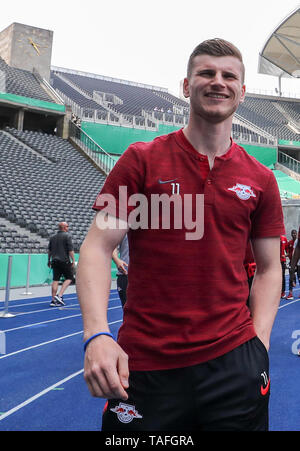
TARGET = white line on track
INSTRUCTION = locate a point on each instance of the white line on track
(42, 322)
(48, 342)
(37, 311)
(11, 303)
(289, 303)
(38, 395)
(43, 392)
(55, 308)
(52, 320)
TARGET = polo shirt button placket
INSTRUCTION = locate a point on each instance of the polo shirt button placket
(209, 192)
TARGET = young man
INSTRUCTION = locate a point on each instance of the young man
(190, 354)
(283, 252)
(62, 260)
(294, 263)
(290, 251)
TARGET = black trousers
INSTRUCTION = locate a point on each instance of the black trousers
(283, 267)
(291, 280)
(122, 282)
(229, 393)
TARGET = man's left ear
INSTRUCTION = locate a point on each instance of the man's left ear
(243, 93)
(185, 88)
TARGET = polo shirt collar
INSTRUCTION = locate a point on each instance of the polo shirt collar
(187, 146)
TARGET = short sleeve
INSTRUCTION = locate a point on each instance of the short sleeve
(267, 219)
(125, 179)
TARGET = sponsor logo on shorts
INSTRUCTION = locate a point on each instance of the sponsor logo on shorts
(264, 388)
(126, 413)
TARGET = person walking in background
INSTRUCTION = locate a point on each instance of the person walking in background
(290, 245)
(62, 261)
(294, 264)
(290, 251)
(121, 258)
(190, 353)
(283, 249)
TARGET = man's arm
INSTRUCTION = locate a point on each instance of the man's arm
(121, 265)
(72, 257)
(106, 364)
(49, 254)
(266, 287)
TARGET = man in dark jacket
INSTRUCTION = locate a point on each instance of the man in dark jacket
(62, 260)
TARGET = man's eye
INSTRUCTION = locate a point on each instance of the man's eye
(206, 74)
(230, 76)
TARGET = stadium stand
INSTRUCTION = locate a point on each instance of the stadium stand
(273, 115)
(21, 82)
(88, 105)
(136, 104)
(48, 177)
(45, 180)
(133, 103)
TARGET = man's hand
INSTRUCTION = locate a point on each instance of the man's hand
(122, 267)
(106, 369)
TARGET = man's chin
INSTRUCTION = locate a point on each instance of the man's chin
(215, 116)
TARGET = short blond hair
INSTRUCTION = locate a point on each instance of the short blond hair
(216, 47)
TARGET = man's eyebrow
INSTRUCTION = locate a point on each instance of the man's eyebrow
(229, 72)
(202, 71)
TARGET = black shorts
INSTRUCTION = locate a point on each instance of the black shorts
(62, 269)
(229, 393)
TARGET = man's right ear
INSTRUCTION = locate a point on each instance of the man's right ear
(186, 88)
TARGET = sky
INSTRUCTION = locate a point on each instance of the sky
(150, 41)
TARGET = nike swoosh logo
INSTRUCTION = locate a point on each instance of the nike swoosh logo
(166, 181)
(265, 390)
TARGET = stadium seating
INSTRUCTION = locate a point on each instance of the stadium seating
(21, 82)
(46, 180)
(128, 100)
(52, 182)
(86, 103)
(272, 115)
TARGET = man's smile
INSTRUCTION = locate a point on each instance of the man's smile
(215, 95)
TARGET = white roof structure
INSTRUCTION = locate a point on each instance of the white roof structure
(280, 55)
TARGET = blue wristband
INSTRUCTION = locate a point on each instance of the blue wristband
(94, 336)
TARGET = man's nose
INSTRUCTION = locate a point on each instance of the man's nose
(218, 80)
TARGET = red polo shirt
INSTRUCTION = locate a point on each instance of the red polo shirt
(283, 248)
(186, 299)
(290, 248)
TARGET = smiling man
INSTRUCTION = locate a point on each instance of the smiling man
(190, 354)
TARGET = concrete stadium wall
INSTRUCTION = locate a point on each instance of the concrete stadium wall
(291, 213)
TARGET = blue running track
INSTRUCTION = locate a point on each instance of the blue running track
(41, 374)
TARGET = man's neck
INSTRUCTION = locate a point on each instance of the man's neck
(209, 139)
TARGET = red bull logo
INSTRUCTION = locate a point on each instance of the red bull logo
(244, 192)
(125, 412)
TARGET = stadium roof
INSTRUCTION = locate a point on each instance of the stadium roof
(280, 55)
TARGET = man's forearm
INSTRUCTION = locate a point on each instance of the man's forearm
(72, 256)
(264, 301)
(93, 283)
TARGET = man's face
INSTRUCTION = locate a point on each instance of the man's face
(65, 226)
(294, 234)
(215, 87)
